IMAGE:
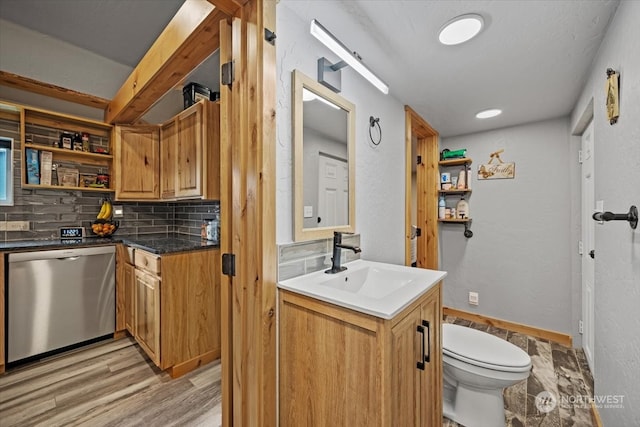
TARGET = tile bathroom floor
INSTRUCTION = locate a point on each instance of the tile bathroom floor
(558, 369)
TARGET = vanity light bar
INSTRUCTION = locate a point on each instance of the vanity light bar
(336, 46)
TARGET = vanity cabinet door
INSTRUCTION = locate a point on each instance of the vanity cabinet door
(431, 391)
(417, 365)
(406, 375)
(147, 314)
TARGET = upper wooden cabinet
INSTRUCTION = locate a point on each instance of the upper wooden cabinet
(137, 162)
(188, 166)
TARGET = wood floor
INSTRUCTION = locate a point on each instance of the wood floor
(108, 384)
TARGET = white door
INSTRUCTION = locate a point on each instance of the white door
(588, 251)
(333, 191)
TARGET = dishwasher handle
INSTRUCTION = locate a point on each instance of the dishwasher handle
(69, 258)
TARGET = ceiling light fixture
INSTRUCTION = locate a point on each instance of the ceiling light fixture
(486, 114)
(461, 29)
(329, 74)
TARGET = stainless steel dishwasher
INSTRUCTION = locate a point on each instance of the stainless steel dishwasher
(56, 299)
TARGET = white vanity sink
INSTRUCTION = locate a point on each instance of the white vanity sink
(375, 288)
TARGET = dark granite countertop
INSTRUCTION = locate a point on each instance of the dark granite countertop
(160, 243)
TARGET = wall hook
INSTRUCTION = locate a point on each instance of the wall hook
(631, 216)
(467, 231)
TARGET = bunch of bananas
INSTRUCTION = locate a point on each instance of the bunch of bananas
(103, 226)
(106, 210)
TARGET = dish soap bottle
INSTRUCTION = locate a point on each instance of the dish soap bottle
(441, 207)
(462, 209)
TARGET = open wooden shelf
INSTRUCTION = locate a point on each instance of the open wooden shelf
(455, 220)
(456, 191)
(65, 188)
(455, 162)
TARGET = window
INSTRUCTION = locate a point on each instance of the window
(6, 171)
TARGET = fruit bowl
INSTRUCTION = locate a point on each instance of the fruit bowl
(104, 227)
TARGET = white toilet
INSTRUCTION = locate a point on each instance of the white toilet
(477, 367)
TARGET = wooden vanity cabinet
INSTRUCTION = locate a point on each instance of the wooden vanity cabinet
(341, 367)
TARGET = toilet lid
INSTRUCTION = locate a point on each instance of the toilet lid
(482, 349)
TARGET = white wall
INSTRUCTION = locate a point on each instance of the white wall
(379, 170)
(40, 57)
(617, 247)
(519, 258)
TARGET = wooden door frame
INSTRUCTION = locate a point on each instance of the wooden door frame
(247, 206)
(427, 189)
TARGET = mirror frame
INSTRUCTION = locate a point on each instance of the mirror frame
(300, 82)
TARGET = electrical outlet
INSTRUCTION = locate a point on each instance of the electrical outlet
(580, 327)
(118, 211)
(473, 298)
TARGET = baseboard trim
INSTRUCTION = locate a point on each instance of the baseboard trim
(554, 336)
(595, 415)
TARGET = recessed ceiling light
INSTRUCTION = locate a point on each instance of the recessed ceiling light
(486, 114)
(461, 29)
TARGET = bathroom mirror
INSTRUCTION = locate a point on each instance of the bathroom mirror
(324, 160)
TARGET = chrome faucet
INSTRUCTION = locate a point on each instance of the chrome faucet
(337, 245)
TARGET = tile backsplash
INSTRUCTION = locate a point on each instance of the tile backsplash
(296, 259)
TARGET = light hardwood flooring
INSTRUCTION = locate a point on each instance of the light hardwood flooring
(108, 384)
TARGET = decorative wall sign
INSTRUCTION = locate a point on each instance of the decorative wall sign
(613, 94)
(500, 170)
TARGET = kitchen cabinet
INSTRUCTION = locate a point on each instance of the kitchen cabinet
(175, 307)
(129, 283)
(168, 160)
(137, 166)
(182, 155)
(147, 313)
(342, 367)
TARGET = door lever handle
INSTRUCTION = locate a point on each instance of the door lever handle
(592, 254)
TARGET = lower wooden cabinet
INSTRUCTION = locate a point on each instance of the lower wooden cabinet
(341, 367)
(129, 278)
(147, 314)
(172, 307)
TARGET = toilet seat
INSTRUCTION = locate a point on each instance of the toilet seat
(484, 350)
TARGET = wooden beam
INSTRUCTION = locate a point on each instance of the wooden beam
(230, 7)
(190, 37)
(47, 89)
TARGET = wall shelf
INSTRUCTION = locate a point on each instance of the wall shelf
(456, 191)
(41, 130)
(460, 192)
(66, 188)
(456, 162)
(455, 220)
